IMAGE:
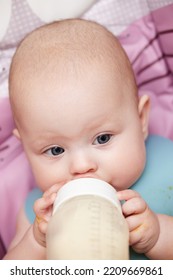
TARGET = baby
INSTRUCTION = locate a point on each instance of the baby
(77, 113)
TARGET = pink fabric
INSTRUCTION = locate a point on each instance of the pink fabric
(15, 175)
(149, 45)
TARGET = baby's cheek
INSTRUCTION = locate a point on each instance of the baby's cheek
(44, 178)
(126, 168)
(47, 179)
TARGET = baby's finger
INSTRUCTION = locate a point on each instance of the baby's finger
(135, 236)
(134, 206)
(127, 194)
(43, 227)
(52, 189)
(139, 238)
(134, 222)
(42, 205)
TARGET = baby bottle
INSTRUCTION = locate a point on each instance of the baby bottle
(87, 223)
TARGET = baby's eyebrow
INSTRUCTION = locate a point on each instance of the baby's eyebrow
(43, 141)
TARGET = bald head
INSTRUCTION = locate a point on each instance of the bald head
(66, 47)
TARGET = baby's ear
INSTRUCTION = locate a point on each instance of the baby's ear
(144, 109)
(16, 133)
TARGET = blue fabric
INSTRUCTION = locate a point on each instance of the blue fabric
(31, 198)
(155, 185)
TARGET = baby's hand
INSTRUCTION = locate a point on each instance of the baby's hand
(143, 223)
(43, 211)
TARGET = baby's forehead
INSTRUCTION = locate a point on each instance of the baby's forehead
(68, 48)
(69, 40)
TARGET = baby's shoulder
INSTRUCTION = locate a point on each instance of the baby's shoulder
(22, 225)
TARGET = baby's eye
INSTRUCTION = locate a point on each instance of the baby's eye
(102, 139)
(55, 151)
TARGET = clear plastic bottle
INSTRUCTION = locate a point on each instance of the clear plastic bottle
(87, 223)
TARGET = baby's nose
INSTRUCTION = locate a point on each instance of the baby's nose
(82, 163)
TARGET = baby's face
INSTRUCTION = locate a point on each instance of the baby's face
(88, 127)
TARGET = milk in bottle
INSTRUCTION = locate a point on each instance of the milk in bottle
(87, 223)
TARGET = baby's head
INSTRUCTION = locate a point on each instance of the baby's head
(75, 104)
